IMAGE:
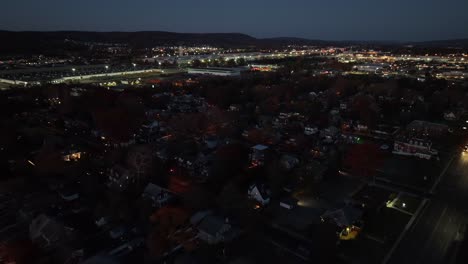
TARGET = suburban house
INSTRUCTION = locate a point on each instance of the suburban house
(289, 162)
(258, 154)
(260, 193)
(310, 130)
(71, 155)
(213, 229)
(157, 195)
(196, 165)
(343, 217)
(329, 134)
(46, 232)
(347, 219)
(120, 178)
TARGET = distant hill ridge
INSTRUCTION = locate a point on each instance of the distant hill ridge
(38, 41)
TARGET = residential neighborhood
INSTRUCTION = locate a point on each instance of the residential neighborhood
(304, 155)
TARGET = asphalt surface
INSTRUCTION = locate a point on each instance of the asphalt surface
(432, 237)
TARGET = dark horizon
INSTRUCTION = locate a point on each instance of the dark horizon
(241, 33)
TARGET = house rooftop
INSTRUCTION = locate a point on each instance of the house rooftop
(199, 216)
(345, 216)
(260, 147)
(152, 190)
(211, 224)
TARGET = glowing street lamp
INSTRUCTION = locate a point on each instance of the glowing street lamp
(107, 67)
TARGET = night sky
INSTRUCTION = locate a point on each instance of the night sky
(326, 19)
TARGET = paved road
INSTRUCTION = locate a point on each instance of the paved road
(432, 236)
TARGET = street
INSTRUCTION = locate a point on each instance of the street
(431, 239)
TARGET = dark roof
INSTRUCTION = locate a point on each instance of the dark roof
(345, 216)
(152, 190)
(262, 188)
(260, 147)
(211, 224)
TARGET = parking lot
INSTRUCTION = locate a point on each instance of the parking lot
(32, 75)
(382, 224)
(411, 172)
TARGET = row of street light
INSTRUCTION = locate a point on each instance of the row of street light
(107, 67)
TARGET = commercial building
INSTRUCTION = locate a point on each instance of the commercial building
(372, 68)
(216, 71)
(414, 147)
